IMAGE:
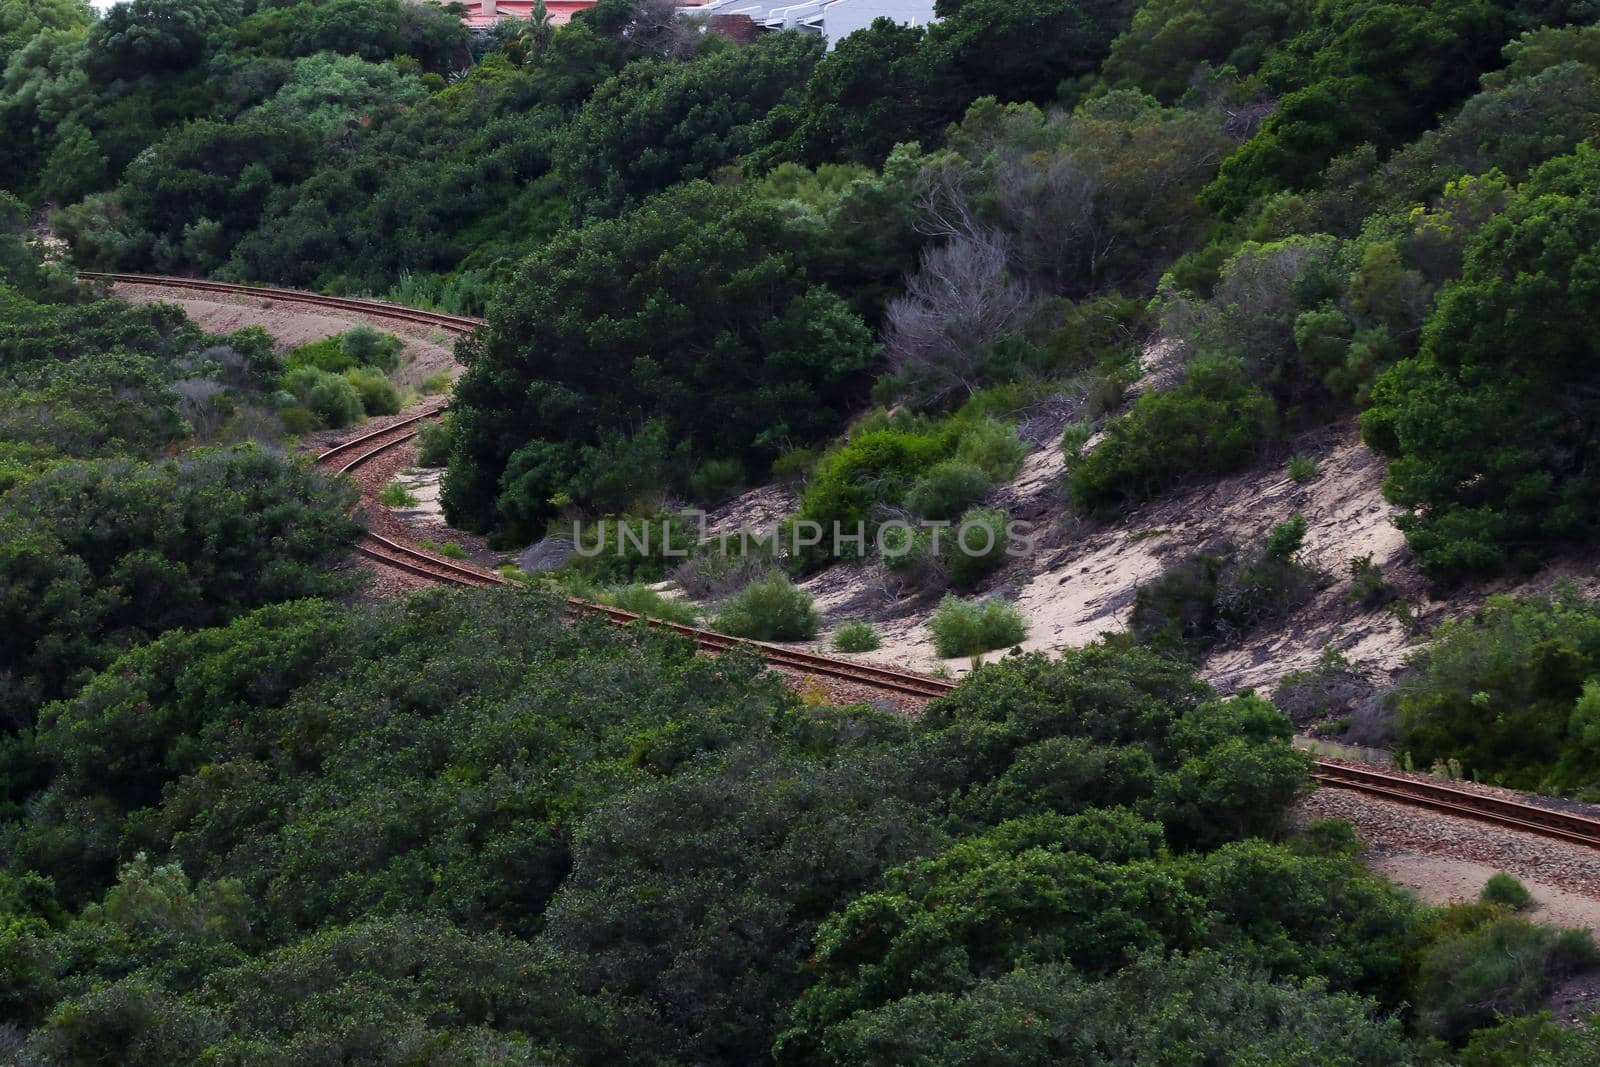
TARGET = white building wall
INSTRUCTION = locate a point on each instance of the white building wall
(840, 18)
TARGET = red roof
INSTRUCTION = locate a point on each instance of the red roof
(561, 11)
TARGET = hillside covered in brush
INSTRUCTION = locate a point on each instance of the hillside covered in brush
(1097, 267)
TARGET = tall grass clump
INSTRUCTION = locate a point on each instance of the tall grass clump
(769, 609)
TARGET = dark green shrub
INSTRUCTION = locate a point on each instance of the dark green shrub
(434, 442)
(1488, 427)
(1286, 537)
(1214, 422)
(794, 467)
(1219, 593)
(1505, 889)
(1264, 588)
(947, 490)
(1302, 469)
(770, 609)
(976, 547)
(968, 628)
(859, 636)
(691, 313)
(1178, 609)
(1503, 968)
(716, 480)
(299, 420)
(907, 553)
(1510, 694)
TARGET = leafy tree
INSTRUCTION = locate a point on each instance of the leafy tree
(1044, 1012)
(872, 91)
(140, 37)
(330, 93)
(713, 330)
(655, 124)
(1487, 429)
(1362, 72)
(1022, 51)
(23, 20)
(218, 172)
(1171, 44)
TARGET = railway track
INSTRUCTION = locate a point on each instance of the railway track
(349, 455)
(376, 308)
(1512, 814)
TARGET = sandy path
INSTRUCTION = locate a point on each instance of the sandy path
(427, 352)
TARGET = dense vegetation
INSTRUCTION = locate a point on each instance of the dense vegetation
(325, 833)
(249, 820)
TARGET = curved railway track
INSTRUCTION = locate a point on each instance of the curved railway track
(376, 308)
(349, 455)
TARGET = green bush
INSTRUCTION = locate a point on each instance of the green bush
(1286, 537)
(395, 495)
(967, 628)
(324, 355)
(367, 346)
(990, 445)
(719, 568)
(1367, 584)
(1178, 608)
(1492, 449)
(1214, 422)
(299, 420)
(691, 312)
(770, 609)
(448, 549)
(907, 553)
(330, 396)
(378, 394)
(889, 456)
(947, 490)
(716, 480)
(794, 467)
(433, 443)
(976, 547)
(859, 636)
(1505, 889)
(1302, 469)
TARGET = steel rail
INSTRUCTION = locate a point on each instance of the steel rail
(365, 305)
(1514, 814)
(1529, 818)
